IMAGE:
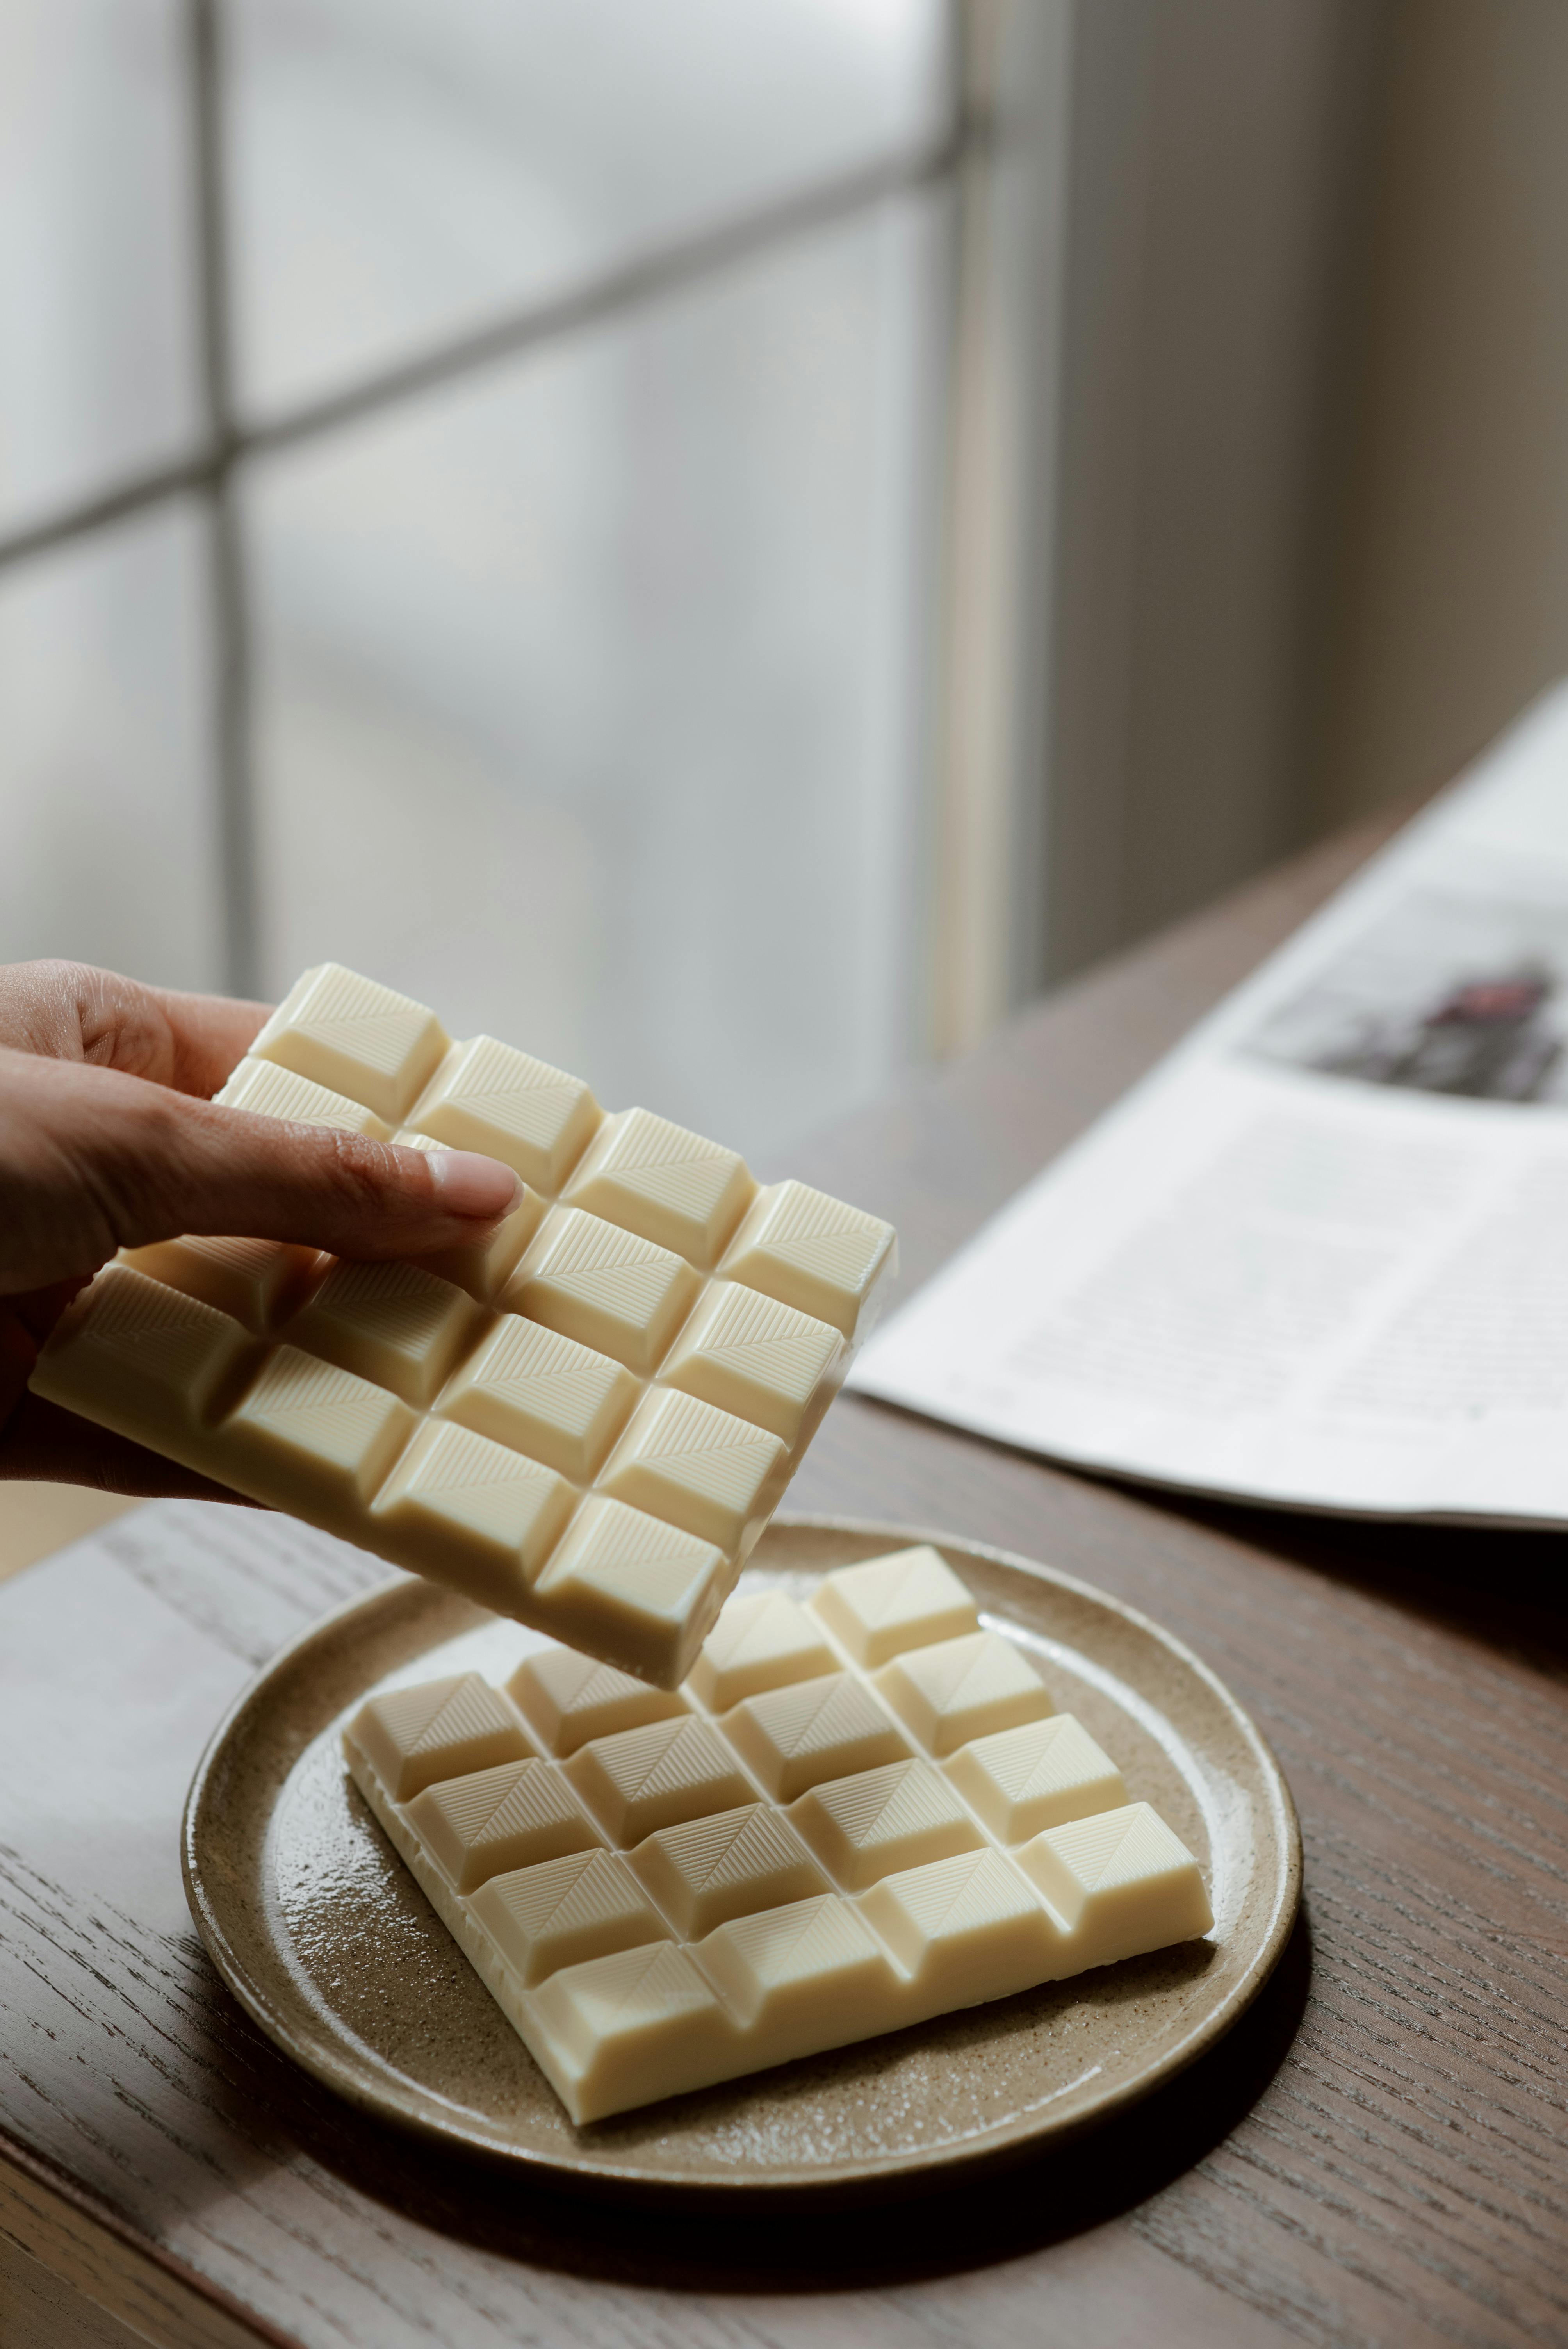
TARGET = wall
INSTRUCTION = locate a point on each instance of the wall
(1452, 598)
(1217, 195)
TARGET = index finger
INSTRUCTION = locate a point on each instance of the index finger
(72, 1011)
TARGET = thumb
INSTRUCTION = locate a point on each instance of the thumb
(92, 1160)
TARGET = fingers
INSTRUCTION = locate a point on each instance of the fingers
(208, 1169)
(210, 1034)
(71, 1011)
(54, 1447)
(91, 1161)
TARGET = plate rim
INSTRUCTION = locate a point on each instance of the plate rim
(1006, 2142)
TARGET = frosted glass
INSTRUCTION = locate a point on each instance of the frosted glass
(109, 853)
(590, 692)
(96, 367)
(401, 170)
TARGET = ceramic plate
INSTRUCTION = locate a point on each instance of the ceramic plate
(323, 1936)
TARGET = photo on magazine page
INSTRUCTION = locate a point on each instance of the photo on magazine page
(1445, 993)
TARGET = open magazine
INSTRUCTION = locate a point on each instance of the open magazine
(1320, 1256)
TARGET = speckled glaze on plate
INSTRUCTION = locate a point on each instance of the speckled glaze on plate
(325, 1939)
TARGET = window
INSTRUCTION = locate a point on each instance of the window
(471, 505)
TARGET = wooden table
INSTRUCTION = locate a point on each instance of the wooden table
(1376, 2156)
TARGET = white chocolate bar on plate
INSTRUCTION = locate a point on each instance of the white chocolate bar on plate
(583, 1419)
(856, 1813)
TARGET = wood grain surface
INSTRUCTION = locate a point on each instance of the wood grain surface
(1376, 2156)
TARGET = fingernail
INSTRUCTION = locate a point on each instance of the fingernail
(468, 1185)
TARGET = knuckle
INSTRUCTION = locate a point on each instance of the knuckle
(41, 1010)
(96, 1016)
(73, 988)
(59, 975)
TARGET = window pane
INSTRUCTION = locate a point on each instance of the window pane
(103, 756)
(590, 696)
(402, 170)
(96, 372)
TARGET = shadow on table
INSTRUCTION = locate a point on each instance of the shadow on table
(786, 2245)
(1502, 1584)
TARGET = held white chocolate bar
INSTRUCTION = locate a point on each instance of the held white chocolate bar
(797, 1849)
(584, 1419)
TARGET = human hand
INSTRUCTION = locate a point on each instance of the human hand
(109, 1139)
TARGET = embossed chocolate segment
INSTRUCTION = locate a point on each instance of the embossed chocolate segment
(610, 1291)
(731, 1864)
(698, 1468)
(1121, 1883)
(484, 1518)
(812, 1252)
(355, 1038)
(318, 1437)
(960, 1689)
(257, 1282)
(879, 1821)
(910, 1598)
(143, 1358)
(505, 1104)
(670, 1185)
(544, 1394)
(758, 1642)
(442, 1729)
(567, 1699)
(793, 1738)
(965, 1930)
(632, 1590)
(628, 2029)
(759, 1360)
(395, 1324)
(1021, 1780)
(644, 1779)
(268, 1090)
(564, 1912)
(802, 1977)
(492, 1821)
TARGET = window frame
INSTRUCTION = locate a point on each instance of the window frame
(978, 862)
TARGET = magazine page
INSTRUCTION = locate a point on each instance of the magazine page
(1320, 1256)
